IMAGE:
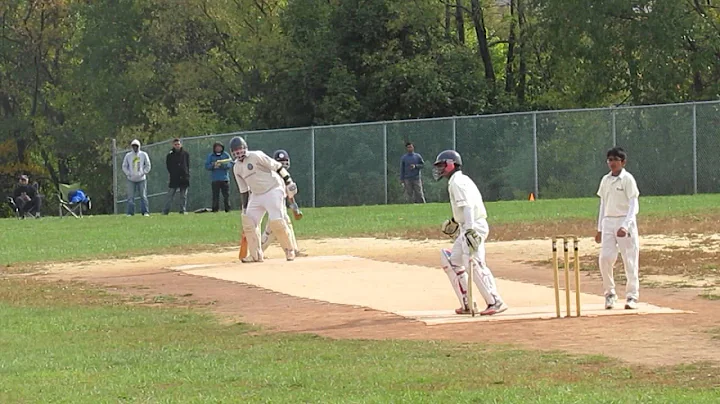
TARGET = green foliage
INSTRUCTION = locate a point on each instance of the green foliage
(74, 74)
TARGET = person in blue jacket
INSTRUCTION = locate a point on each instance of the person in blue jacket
(219, 164)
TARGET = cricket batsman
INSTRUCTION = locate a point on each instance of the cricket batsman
(283, 158)
(470, 227)
(263, 183)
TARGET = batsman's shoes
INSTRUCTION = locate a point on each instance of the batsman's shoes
(631, 304)
(610, 301)
(465, 310)
(496, 308)
(299, 253)
(250, 260)
(290, 255)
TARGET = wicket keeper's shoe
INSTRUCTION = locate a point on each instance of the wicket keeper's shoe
(496, 308)
(466, 309)
(610, 300)
(631, 304)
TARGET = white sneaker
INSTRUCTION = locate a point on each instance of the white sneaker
(146, 214)
(250, 260)
(610, 301)
(496, 308)
(299, 253)
(290, 255)
(631, 304)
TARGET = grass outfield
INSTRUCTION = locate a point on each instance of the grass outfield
(61, 343)
(54, 239)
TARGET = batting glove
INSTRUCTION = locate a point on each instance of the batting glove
(473, 239)
(291, 189)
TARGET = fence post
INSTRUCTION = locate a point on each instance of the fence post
(312, 163)
(535, 155)
(114, 174)
(454, 133)
(385, 160)
(614, 128)
(694, 147)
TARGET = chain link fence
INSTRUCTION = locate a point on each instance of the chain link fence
(673, 149)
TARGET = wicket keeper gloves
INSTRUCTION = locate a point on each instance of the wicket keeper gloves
(473, 239)
(450, 227)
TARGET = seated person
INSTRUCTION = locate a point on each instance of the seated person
(26, 197)
(78, 196)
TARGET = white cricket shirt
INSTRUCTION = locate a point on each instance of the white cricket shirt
(616, 193)
(257, 173)
(464, 192)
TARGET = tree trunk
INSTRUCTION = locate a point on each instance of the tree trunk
(479, 23)
(509, 68)
(522, 68)
(460, 21)
(448, 19)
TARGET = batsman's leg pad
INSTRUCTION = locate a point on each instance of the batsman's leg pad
(485, 282)
(457, 276)
(252, 234)
(267, 238)
(291, 231)
(281, 231)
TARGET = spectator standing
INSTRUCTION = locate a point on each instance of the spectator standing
(136, 166)
(178, 167)
(219, 164)
(410, 165)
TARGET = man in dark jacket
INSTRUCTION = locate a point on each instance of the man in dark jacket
(178, 166)
(219, 163)
(26, 198)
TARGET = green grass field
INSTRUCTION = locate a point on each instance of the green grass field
(53, 239)
(62, 342)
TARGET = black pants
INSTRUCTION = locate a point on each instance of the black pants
(33, 206)
(218, 186)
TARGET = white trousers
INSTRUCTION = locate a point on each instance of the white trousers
(272, 202)
(455, 262)
(629, 248)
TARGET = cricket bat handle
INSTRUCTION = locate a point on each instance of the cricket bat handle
(296, 209)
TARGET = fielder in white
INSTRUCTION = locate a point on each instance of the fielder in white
(267, 238)
(617, 228)
(470, 227)
(260, 181)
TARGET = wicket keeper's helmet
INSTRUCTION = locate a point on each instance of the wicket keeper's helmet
(446, 163)
(283, 157)
(238, 147)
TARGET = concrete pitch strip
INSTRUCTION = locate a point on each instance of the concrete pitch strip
(411, 291)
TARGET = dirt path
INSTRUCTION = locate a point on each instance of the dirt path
(652, 340)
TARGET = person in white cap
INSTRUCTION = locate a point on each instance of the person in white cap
(136, 166)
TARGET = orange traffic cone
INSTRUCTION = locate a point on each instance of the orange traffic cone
(532, 197)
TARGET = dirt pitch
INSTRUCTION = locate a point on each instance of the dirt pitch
(655, 340)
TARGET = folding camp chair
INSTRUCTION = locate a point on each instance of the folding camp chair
(66, 207)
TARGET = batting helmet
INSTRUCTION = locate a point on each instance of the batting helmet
(238, 147)
(283, 157)
(446, 163)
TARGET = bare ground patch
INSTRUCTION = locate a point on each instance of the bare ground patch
(655, 340)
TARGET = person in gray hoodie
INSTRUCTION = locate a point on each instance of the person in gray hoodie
(136, 166)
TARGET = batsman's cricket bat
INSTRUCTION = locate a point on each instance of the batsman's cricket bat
(471, 302)
(296, 209)
(243, 248)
